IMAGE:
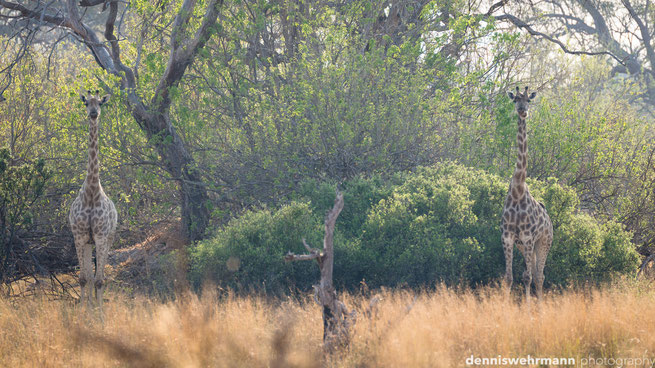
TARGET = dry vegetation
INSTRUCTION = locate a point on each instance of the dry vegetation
(438, 328)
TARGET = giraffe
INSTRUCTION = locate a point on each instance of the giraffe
(525, 221)
(92, 216)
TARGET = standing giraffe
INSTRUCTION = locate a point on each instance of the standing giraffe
(92, 215)
(525, 221)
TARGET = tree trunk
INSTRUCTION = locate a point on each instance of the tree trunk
(195, 212)
(179, 164)
(337, 320)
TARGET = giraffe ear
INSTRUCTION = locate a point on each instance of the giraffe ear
(533, 95)
(511, 95)
(83, 99)
(104, 100)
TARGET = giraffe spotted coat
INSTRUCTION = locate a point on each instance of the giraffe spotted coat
(92, 215)
(525, 221)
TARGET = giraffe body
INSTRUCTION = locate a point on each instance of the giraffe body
(525, 221)
(92, 216)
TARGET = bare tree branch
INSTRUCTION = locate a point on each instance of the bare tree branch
(87, 3)
(115, 48)
(301, 257)
(496, 6)
(313, 254)
(521, 24)
(606, 39)
(645, 34)
(182, 53)
(579, 25)
(35, 14)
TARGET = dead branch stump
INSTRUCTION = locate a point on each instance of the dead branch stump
(337, 320)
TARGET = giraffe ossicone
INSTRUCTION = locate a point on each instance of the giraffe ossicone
(92, 215)
(525, 221)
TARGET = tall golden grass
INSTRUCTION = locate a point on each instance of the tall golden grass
(439, 328)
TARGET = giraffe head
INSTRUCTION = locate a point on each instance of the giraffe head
(521, 101)
(93, 103)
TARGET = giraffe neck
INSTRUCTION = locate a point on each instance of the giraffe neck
(92, 182)
(520, 172)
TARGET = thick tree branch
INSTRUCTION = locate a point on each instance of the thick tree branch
(645, 34)
(496, 6)
(90, 38)
(87, 3)
(579, 25)
(129, 80)
(36, 14)
(606, 39)
(182, 53)
(313, 254)
(521, 24)
(301, 257)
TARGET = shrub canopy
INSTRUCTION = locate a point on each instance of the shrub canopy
(435, 224)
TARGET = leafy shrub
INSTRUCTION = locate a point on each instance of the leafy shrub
(438, 223)
(248, 252)
(584, 249)
(21, 185)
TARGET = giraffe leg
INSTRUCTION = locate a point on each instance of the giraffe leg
(542, 255)
(84, 255)
(508, 248)
(536, 276)
(102, 250)
(79, 249)
(81, 241)
(529, 266)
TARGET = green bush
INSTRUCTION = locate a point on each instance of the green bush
(584, 249)
(248, 252)
(441, 224)
(437, 223)
(21, 186)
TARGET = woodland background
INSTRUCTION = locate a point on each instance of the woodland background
(239, 119)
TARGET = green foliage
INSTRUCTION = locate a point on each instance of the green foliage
(45, 119)
(248, 252)
(284, 102)
(584, 249)
(435, 224)
(21, 185)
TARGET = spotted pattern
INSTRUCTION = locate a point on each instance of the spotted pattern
(525, 221)
(92, 217)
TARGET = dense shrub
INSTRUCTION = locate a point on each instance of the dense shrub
(583, 248)
(248, 252)
(434, 224)
(21, 185)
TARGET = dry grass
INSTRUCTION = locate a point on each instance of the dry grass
(442, 328)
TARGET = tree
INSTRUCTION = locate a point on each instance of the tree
(152, 114)
(622, 30)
